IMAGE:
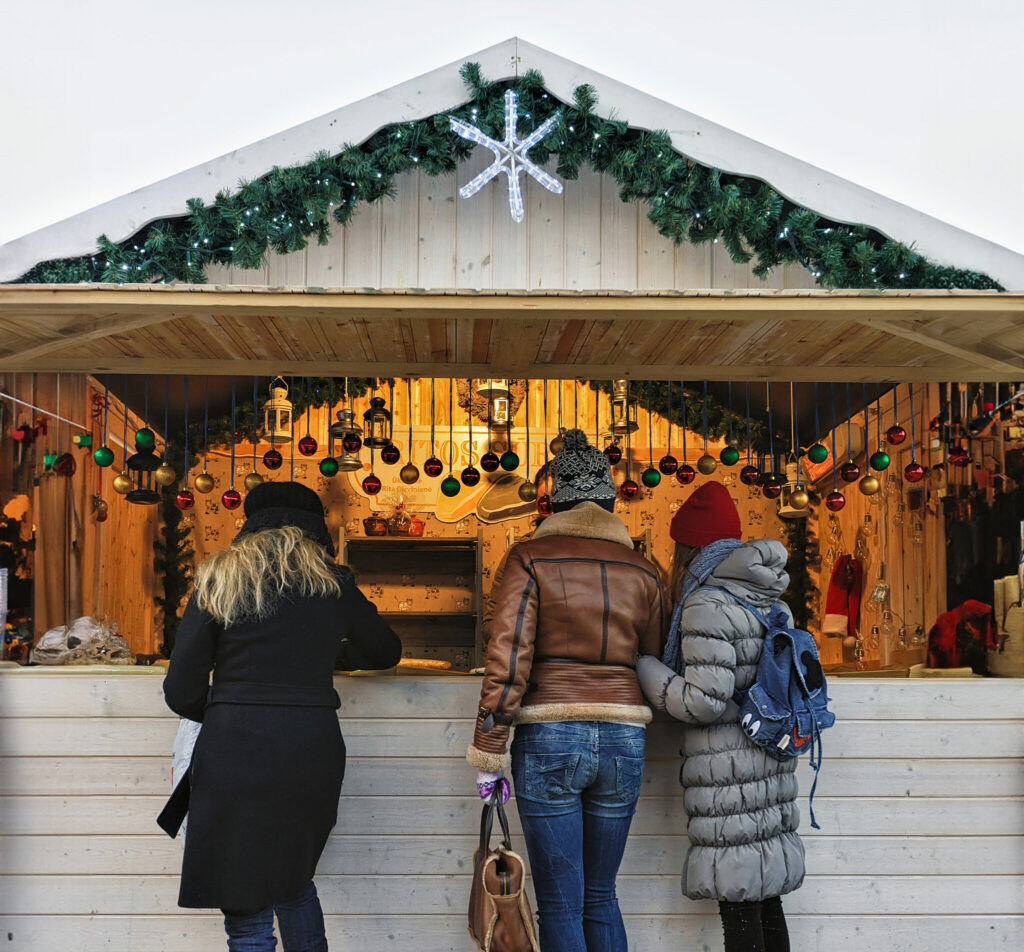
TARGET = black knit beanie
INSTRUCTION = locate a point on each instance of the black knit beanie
(580, 473)
(273, 505)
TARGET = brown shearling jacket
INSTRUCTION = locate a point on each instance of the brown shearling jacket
(576, 607)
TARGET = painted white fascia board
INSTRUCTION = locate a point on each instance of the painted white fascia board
(442, 88)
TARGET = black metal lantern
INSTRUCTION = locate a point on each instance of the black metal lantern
(141, 467)
(378, 424)
(499, 402)
(624, 409)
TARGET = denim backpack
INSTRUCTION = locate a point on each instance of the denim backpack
(786, 708)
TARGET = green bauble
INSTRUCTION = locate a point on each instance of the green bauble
(329, 466)
(880, 460)
(450, 486)
(509, 461)
(103, 456)
(818, 453)
(145, 439)
(650, 477)
(729, 456)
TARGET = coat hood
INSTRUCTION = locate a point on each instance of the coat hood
(588, 521)
(755, 572)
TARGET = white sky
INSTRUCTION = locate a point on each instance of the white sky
(919, 100)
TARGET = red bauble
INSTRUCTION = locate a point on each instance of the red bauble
(231, 499)
(772, 488)
(544, 505)
(489, 462)
(988, 407)
(272, 459)
(433, 467)
(850, 471)
(668, 464)
(470, 476)
(184, 499)
(102, 515)
(307, 445)
(835, 501)
(629, 489)
(749, 475)
(913, 472)
(351, 442)
(613, 453)
(959, 456)
(895, 434)
(686, 474)
(390, 454)
(371, 485)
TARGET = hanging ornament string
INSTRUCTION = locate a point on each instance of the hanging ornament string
(431, 416)
(878, 414)
(597, 413)
(291, 458)
(451, 425)
(409, 403)
(771, 430)
(391, 403)
(750, 445)
(545, 422)
(124, 434)
(188, 461)
(705, 417)
(668, 447)
(817, 422)
(255, 418)
(575, 404)
(234, 435)
(913, 424)
(508, 423)
(650, 427)
(469, 417)
(167, 409)
(106, 406)
(206, 423)
(849, 424)
(145, 401)
(835, 464)
(527, 451)
(682, 403)
(796, 429)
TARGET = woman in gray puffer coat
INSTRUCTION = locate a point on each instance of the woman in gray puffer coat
(744, 848)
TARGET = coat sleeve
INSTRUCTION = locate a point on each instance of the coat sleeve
(187, 684)
(653, 640)
(370, 643)
(509, 661)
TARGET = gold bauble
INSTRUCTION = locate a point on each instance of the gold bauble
(869, 485)
(527, 491)
(556, 445)
(203, 483)
(707, 464)
(252, 480)
(799, 499)
(409, 473)
(164, 474)
(123, 484)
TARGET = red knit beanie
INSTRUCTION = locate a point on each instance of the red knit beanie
(707, 516)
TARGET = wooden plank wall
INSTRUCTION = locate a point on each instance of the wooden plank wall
(920, 803)
(583, 240)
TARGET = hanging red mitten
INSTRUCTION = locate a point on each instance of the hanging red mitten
(842, 600)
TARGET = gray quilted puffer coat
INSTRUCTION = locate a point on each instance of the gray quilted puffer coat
(740, 802)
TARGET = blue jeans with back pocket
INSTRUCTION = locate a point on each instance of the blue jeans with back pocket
(577, 784)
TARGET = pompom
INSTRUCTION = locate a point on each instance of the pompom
(575, 441)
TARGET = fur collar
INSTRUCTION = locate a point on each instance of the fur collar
(586, 521)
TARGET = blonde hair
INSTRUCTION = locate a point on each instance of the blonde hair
(248, 579)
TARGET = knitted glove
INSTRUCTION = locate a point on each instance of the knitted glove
(485, 783)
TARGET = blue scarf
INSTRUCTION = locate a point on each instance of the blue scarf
(710, 557)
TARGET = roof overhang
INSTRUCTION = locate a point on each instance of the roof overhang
(890, 336)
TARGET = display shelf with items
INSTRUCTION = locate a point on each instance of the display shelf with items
(428, 589)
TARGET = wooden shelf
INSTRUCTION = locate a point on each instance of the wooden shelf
(431, 615)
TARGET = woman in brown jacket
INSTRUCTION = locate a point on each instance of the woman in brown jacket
(575, 609)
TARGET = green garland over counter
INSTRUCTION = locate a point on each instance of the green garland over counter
(287, 207)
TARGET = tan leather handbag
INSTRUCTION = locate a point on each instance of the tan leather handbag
(500, 918)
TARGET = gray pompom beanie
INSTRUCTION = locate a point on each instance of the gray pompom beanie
(580, 473)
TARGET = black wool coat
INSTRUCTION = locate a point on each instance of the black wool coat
(269, 760)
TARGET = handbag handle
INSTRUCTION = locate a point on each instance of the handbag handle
(492, 806)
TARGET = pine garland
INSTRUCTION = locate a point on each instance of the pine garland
(287, 207)
(801, 596)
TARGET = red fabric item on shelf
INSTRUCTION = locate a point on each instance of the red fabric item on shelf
(842, 601)
(962, 637)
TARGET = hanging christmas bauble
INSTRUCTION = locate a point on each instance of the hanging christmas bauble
(408, 474)
(328, 466)
(772, 487)
(869, 485)
(272, 459)
(880, 460)
(390, 454)
(122, 484)
(352, 442)
(470, 476)
(913, 472)
(613, 453)
(164, 474)
(307, 445)
(707, 464)
(252, 480)
(509, 461)
(433, 467)
(102, 515)
(145, 439)
(203, 483)
(527, 491)
(849, 471)
(668, 464)
(686, 474)
(100, 506)
(835, 501)
(231, 499)
(799, 499)
(544, 506)
(371, 485)
(556, 444)
(817, 453)
(895, 435)
(450, 486)
(629, 489)
(729, 456)
(650, 477)
(103, 456)
(489, 462)
(749, 475)
(959, 456)
(184, 499)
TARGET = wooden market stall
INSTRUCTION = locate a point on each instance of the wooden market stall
(922, 840)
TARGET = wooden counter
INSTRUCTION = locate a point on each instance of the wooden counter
(921, 802)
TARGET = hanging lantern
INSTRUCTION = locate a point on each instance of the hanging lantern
(272, 459)
(277, 413)
(498, 395)
(378, 424)
(141, 467)
(624, 410)
(252, 480)
(835, 501)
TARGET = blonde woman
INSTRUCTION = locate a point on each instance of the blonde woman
(272, 616)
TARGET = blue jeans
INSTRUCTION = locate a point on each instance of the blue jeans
(301, 920)
(576, 785)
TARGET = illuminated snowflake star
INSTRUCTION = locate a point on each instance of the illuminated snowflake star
(509, 156)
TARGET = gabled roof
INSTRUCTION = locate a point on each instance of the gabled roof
(441, 89)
